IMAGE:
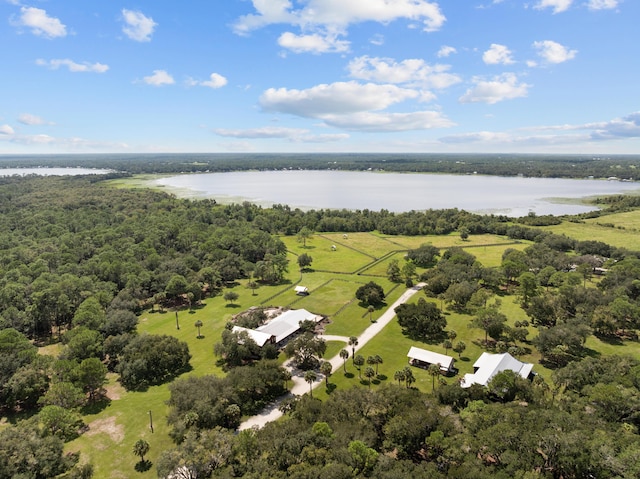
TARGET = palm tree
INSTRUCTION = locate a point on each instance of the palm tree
(286, 375)
(326, 368)
(140, 448)
(310, 377)
(399, 376)
(459, 347)
(344, 354)
(353, 342)
(434, 370)
(358, 361)
(409, 378)
(447, 344)
(198, 324)
(379, 361)
(370, 310)
(369, 373)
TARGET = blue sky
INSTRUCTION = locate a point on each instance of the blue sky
(537, 76)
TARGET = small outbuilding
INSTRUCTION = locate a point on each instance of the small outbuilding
(423, 358)
(488, 365)
(301, 290)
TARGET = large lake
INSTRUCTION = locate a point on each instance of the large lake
(397, 192)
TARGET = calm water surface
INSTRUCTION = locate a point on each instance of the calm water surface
(397, 192)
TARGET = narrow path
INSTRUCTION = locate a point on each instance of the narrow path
(300, 387)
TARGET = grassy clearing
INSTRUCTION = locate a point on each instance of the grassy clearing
(626, 238)
(114, 429)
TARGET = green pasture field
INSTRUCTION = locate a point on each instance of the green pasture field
(114, 428)
(342, 260)
(621, 235)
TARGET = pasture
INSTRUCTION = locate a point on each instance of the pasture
(332, 280)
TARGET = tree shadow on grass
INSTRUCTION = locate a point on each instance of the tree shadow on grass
(95, 407)
(349, 375)
(143, 466)
(330, 388)
(382, 377)
(202, 336)
(464, 359)
(232, 305)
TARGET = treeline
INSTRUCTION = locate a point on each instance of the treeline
(543, 166)
(512, 428)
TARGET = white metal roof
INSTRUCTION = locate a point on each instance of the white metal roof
(259, 337)
(488, 365)
(288, 323)
(445, 362)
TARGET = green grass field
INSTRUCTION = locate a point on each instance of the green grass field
(332, 283)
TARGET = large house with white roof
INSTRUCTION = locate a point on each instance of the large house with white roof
(280, 328)
(488, 365)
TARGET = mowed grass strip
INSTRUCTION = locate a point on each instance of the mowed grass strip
(446, 241)
(340, 260)
(367, 243)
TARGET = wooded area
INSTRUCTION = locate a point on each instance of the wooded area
(81, 260)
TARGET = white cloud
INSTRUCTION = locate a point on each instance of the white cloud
(389, 122)
(558, 6)
(338, 14)
(625, 127)
(6, 130)
(377, 40)
(137, 26)
(354, 106)
(265, 132)
(553, 52)
(445, 51)
(339, 98)
(497, 54)
(29, 119)
(215, 81)
(602, 4)
(314, 43)
(73, 66)
(503, 87)
(40, 23)
(159, 78)
(476, 137)
(410, 71)
(298, 135)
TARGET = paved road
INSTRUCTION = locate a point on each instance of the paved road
(300, 387)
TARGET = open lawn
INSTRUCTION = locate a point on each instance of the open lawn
(619, 230)
(332, 283)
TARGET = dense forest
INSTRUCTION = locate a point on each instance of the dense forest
(543, 166)
(80, 260)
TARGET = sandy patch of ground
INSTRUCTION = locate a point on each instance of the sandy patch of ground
(107, 426)
(114, 391)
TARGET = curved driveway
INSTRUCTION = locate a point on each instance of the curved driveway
(300, 387)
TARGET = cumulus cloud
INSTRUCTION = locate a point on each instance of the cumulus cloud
(410, 71)
(73, 66)
(602, 4)
(497, 54)
(476, 137)
(6, 130)
(29, 119)
(558, 6)
(500, 88)
(336, 98)
(299, 135)
(445, 51)
(40, 23)
(354, 106)
(553, 52)
(159, 78)
(389, 122)
(137, 26)
(215, 81)
(339, 14)
(314, 43)
(625, 127)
